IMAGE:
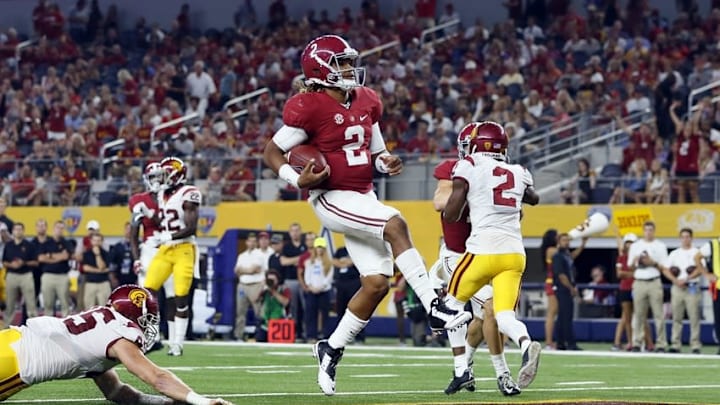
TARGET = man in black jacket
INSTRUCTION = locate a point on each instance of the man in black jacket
(19, 258)
(565, 291)
(53, 259)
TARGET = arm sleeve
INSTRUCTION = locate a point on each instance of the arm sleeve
(527, 178)
(462, 170)
(377, 142)
(288, 137)
(192, 195)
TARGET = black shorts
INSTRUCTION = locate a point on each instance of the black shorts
(625, 295)
(689, 175)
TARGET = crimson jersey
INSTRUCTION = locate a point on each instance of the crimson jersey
(687, 152)
(454, 233)
(341, 134)
(145, 202)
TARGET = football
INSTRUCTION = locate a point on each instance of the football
(301, 154)
(690, 269)
(675, 271)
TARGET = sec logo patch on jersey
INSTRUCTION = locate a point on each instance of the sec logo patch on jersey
(339, 119)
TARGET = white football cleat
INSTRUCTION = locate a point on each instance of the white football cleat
(328, 359)
(530, 362)
(176, 350)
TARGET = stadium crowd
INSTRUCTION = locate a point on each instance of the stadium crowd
(86, 81)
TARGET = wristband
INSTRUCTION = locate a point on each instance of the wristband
(287, 173)
(193, 398)
(379, 164)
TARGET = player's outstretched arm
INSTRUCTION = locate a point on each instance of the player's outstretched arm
(121, 393)
(456, 202)
(162, 380)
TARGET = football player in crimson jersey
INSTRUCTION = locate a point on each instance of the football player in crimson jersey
(455, 234)
(494, 190)
(340, 117)
(89, 345)
(145, 214)
(177, 253)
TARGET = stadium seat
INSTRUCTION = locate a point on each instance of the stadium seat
(611, 170)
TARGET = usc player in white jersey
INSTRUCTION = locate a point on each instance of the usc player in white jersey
(494, 190)
(89, 345)
(455, 234)
(145, 214)
(177, 249)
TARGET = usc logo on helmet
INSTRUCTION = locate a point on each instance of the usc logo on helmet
(137, 297)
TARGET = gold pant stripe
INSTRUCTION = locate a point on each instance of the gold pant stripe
(7, 392)
(8, 380)
(464, 264)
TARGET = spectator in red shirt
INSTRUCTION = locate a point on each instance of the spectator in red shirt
(52, 24)
(106, 129)
(56, 121)
(38, 16)
(420, 143)
(686, 153)
(7, 49)
(75, 185)
(239, 182)
(593, 295)
(425, 12)
(23, 187)
(129, 88)
(131, 153)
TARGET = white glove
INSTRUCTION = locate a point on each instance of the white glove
(159, 238)
(163, 237)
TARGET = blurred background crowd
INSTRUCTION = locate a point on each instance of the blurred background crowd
(87, 99)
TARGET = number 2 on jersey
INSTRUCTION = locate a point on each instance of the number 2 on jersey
(508, 184)
(354, 157)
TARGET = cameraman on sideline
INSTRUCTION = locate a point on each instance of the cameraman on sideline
(274, 301)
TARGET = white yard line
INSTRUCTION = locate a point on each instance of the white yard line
(399, 349)
(358, 393)
(580, 383)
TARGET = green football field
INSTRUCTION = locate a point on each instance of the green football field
(378, 374)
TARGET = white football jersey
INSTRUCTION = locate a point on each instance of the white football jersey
(171, 207)
(73, 347)
(495, 192)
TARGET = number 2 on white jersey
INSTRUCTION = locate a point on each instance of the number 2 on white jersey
(354, 157)
(508, 184)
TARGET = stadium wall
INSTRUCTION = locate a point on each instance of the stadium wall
(422, 219)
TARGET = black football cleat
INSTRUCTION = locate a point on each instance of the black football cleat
(442, 317)
(507, 386)
(459, 383)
